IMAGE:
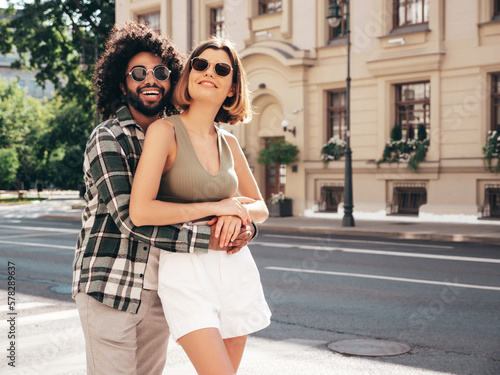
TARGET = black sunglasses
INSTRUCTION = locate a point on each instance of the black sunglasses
(139, 73)
(201, 64)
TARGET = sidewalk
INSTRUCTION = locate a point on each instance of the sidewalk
(390, 227)
(452, 228)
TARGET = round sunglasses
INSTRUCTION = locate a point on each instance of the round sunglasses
(201, 64)
(139, 73)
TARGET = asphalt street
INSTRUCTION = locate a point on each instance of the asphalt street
(440, 298)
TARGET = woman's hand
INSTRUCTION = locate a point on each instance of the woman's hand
(227, 229)
(233, 207)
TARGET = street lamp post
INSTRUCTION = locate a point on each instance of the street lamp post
(335, 15)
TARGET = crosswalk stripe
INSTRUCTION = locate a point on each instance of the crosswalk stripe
(25, 306)
(40, 318)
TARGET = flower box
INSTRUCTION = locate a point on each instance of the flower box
(280, 208)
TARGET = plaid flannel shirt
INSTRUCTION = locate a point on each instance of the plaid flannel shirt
(111, 253)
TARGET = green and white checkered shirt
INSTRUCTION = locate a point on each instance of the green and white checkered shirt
(111, 253)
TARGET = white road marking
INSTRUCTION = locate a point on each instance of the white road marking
(376, 277)
(50, 246)
(356, 241)
(25, 306)
(42, 229)
(39, 318)
(379, 252)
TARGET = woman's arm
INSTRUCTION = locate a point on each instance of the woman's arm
(247, 186)
(145, 209)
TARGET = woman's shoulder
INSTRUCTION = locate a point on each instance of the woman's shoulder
(164, 124)
(230, 137)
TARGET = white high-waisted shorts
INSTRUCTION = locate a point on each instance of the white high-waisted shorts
(212, 290)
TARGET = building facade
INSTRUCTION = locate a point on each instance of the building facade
(427, 67)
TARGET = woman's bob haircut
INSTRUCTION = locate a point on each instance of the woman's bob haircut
(235, 109)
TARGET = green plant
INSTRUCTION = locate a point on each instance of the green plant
(278, 151)
(334, 149)
(491, 150)
(411, 151)
(396, 133)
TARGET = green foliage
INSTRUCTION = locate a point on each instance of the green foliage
(334, 149)
(22, 123)
(48, 139)
(491, 150)
(52, 35)
(8, 166)
(421, 132)
(411, 151)
(396, 133)
(278, 151)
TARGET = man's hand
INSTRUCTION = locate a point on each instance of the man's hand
(246, 234)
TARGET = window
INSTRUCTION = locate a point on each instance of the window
(341, 30)
(491, 201)
(410, 12)
(413, 107)
(496, 9)
(217, 22)
(331, 196)
(337, 114)
(152, 20)
(269, 6)
(407, 199)
(495, 102)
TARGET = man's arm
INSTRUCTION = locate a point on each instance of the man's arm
(112, 173)
(246, 235)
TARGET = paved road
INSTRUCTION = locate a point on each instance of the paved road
(440, 298)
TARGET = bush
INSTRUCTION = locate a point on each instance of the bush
(411, 151)
(278, 151)
(334, 149)
(491, 150)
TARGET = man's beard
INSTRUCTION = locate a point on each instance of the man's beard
(149, 110)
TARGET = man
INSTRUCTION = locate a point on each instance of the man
(115, 266)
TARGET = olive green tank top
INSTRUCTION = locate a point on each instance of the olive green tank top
(187, 181)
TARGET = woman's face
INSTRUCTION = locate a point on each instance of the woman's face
(208, 85)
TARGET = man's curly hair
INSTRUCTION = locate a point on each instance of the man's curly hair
(124, 42)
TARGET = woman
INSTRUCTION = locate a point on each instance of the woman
(190, 170)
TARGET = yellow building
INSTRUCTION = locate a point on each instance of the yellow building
(429, 62)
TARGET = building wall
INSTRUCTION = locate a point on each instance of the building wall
(25, 78)
(291, 66)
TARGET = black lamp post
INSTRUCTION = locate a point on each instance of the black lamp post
(335, 15)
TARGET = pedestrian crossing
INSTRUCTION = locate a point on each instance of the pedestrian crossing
(49, 341)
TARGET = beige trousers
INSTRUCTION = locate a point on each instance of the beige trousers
(122, 343)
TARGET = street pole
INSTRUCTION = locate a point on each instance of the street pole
(348, 219)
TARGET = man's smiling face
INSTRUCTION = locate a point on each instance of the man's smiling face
(150, 96)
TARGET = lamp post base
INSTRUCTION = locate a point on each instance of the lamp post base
(348, 220)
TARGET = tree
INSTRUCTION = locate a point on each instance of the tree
(52, 35)
(278, 151)
(22, 124)
(8, 166)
